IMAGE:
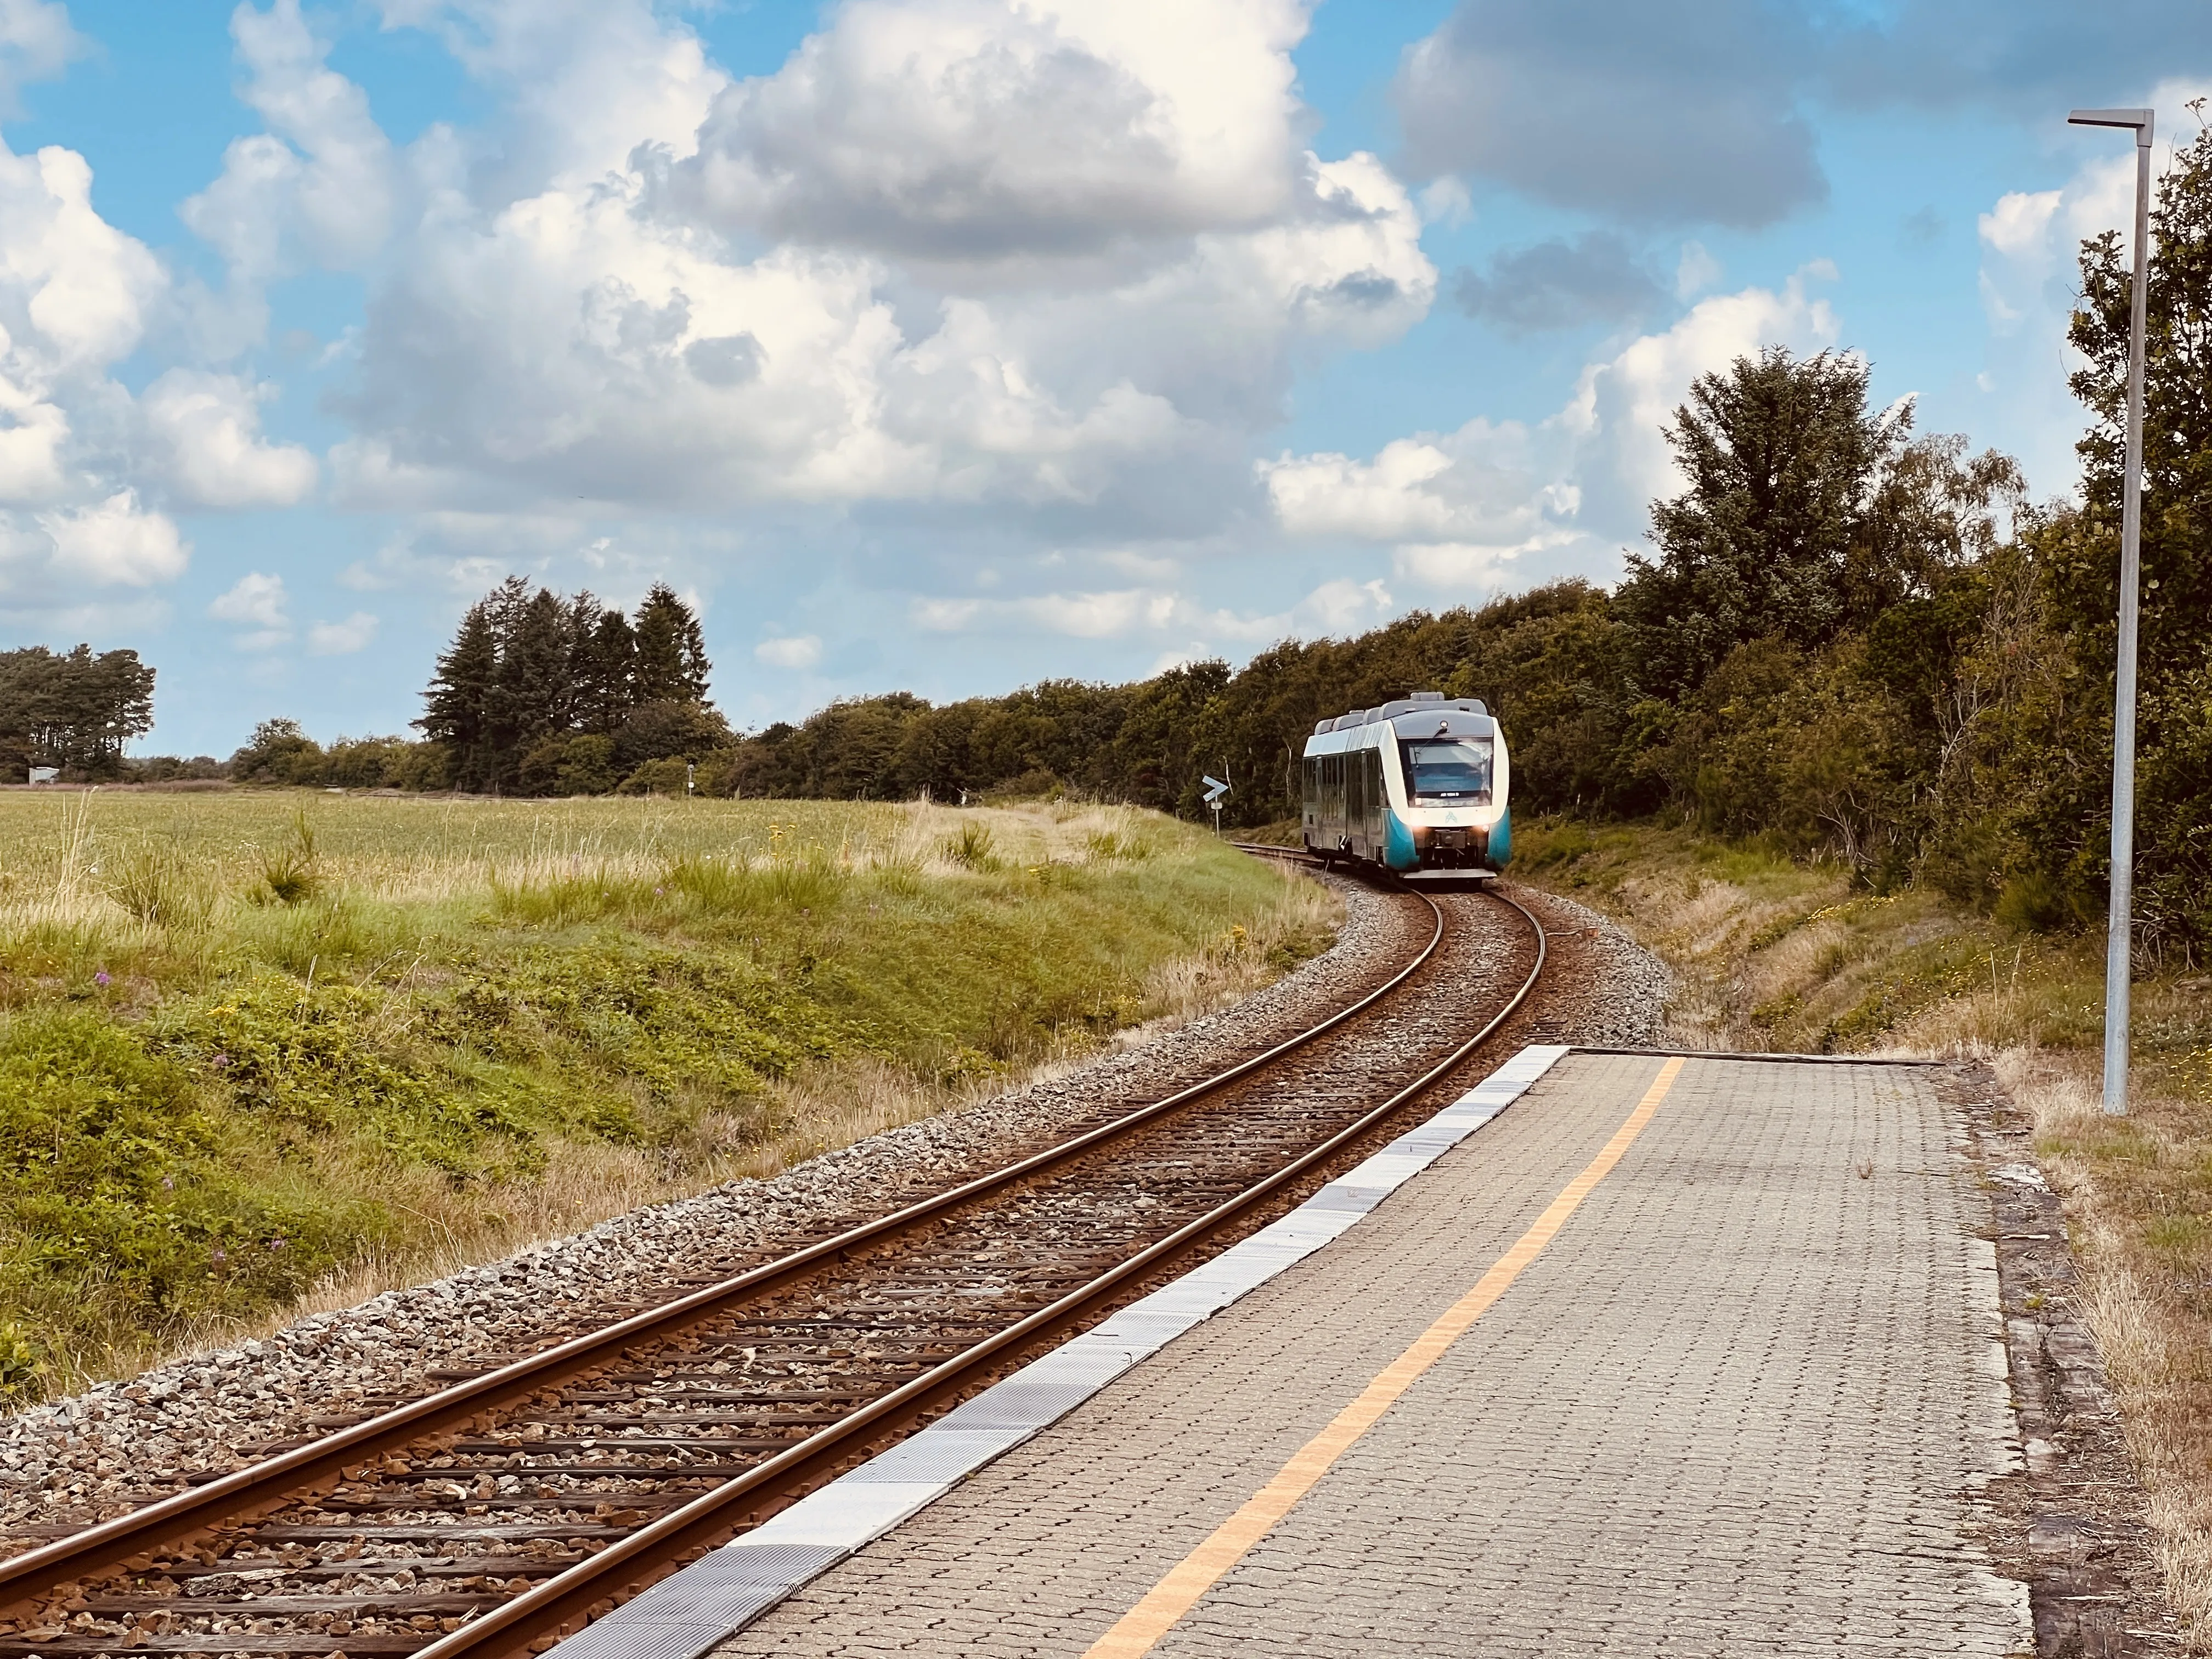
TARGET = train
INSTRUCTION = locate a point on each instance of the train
(1418, 787)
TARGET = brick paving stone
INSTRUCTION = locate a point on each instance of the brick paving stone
(1742, 1406)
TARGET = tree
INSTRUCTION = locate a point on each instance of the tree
(606, 675)
(672, 664)
(2076, 554)
(1782, 458)
(535, 696)
(278, 752)
(73, 710)
(457, 706)
(528, 671)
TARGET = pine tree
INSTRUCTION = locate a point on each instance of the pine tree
(671, 652)
(72, 709)
(535, 694)
(457, 707)
(608, 676)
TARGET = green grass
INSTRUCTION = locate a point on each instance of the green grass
(254, 1046)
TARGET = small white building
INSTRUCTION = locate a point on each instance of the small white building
(45, 774)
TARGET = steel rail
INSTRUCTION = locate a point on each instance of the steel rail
(38, 1573)
(630, 1565)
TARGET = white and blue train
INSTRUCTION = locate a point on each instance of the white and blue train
(1418, 786)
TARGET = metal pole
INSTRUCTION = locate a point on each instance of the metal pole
(2119, 919)
(2119, 944)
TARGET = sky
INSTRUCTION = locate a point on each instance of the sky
(948, 345)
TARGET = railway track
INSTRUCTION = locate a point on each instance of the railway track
(486, 1518)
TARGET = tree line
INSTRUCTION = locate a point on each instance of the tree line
(1859, 642)
(72, 710)
(539, 694)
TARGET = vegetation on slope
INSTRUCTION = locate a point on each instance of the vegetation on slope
(249, 1044)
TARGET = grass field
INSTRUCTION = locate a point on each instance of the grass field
(262, 1050)
(1773, 954)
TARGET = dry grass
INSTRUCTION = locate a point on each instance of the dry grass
(2135, 1194)
(70, 857)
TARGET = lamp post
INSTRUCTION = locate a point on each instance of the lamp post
(2119, 931)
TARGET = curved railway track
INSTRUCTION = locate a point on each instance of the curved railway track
(488, 1517)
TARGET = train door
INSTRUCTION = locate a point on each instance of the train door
(1355, 800)
(1372, 799)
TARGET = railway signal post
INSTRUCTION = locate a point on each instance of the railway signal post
(2119, 923)
(1215, 789)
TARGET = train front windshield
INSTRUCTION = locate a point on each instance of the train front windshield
(1449, 772)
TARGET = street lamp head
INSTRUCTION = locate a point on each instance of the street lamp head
(2139, 120)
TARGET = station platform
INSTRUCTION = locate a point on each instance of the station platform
(1620, 1354)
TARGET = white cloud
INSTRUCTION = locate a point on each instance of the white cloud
(582, 83)
(341, 639)
(963, 129)
(799, 651)
(74, 290)
(256, 598)
(208, 428)
(317, 188)
(1341, 606)
(590, 334)
(31, 445)
(1460, 506)
(2020, 220)
(116, 543)
(1444, 201)
(36, 43)
(1474, 482)
(1615, 419)
(1696, 272)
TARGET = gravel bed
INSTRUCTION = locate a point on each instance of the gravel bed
(100, 1452)
(1627, 1008)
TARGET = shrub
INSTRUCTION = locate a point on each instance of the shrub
(659, 777)
(289, 873)
(159, 885)
(365, 763)
(279, 752)
(970, 847)
(578, 763)
(122, 1207)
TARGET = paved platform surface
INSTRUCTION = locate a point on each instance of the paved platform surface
(1740, 1403)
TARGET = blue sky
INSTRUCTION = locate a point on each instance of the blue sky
(950, 344)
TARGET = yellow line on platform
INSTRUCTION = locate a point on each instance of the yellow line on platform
(1140, 1630)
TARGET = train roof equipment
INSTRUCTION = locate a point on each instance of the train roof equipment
(1424, 715)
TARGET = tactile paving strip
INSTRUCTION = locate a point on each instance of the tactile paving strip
(690, 1611)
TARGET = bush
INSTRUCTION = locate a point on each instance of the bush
(660, 777)
(279, 752)
(175, 768)
(574, 764)
(121, 1206)
(668, 730)
(719, 774)
(970, 847)
(159, 885)
(365, 763)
